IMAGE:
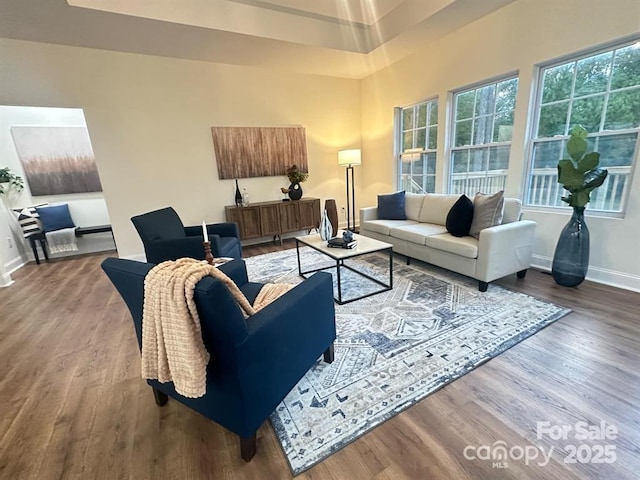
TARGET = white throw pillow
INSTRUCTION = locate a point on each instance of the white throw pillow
(413, 205)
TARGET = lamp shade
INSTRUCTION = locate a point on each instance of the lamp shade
(349, 157)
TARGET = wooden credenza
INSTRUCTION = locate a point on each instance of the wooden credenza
(267, 219)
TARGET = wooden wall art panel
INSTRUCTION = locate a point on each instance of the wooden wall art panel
(243, 152)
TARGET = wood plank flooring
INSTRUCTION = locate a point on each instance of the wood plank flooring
(73, 404)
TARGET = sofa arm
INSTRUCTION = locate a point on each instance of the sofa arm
(368, 213)
(505, 249)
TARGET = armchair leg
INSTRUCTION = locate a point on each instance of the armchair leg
(482, 286)
(408, 260)
(248, 447)
(160, 398)
(328, 354)
(522, 273)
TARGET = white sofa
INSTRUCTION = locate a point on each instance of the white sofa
(501, 250)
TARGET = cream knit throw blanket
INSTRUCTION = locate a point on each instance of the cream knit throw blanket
(172, 346)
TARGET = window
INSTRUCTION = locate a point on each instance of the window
(481, 141)
(601, 92)
(417, 129)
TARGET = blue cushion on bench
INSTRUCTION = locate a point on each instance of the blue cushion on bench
(55, 217)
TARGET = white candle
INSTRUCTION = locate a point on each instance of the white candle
(204, 232)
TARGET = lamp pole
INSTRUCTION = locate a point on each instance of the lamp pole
(349, 158)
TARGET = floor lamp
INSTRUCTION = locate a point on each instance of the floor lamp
(349, 158)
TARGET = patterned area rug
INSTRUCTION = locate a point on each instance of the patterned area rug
(392, 349)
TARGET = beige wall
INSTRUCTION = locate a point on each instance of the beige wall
(515, 38)
(149, 119)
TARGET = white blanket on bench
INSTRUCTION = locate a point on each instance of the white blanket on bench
(63, 240)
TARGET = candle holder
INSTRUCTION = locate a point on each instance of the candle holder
(208, 256)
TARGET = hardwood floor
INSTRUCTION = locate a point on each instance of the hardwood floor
(74, 405)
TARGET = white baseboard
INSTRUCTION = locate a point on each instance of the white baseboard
(138, 257)
(596, 274)
(14, 264)
(5, 280)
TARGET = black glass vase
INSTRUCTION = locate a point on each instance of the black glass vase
(571, 260)
(238, 195)
(295, 191)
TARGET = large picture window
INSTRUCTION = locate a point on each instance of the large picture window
(482, 125)
(417, 130)
(601, 92)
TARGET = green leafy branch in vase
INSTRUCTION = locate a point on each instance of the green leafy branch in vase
(580, 174)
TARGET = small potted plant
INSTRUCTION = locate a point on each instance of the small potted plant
(9, 181)
(296, 177)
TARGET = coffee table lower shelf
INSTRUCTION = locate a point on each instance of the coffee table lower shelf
(340, 264)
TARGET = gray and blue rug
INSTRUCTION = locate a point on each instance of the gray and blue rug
(392, 349)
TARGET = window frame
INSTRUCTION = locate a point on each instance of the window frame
(424, 152)
(532, 131)
(451, 126)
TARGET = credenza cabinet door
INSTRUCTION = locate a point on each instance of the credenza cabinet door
(289, 216)
(248, 220)
(269, 220)
(309, 214)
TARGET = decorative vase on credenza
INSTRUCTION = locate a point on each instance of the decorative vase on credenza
(296, 177)
(295, 191)
(238, 195)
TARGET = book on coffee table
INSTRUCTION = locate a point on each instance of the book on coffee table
(341, 243)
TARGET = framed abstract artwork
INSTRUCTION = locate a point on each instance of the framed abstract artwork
(57, 160)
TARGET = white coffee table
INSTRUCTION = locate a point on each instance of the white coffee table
(365, 246)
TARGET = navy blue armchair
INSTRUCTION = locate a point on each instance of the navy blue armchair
(254, 362)
(165, 237)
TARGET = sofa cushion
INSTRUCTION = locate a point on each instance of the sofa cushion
(391, 206)
(435, 208)
(413, 205)
(512, 210)
(460, 217)
(384, 226)
(462, 246)
(417, 233)
(487, 212)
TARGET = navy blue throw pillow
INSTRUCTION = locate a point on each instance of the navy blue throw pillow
(460, 217)
(391, 207)
(55, 217)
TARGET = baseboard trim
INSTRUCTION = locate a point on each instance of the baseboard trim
(5, 280)
(138, 257)
(596, 274)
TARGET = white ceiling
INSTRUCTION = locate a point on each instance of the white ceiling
(345, 38)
